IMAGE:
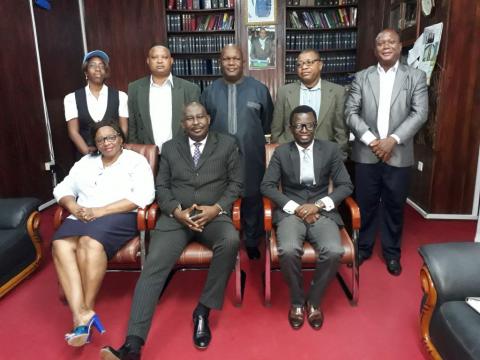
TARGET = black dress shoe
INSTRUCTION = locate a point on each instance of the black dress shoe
(201, 332)
(296, 316)
(394, 267)
(124, 353)
(314, 316)
(253, 252)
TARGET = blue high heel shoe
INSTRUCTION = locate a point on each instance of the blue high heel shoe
(82, 334)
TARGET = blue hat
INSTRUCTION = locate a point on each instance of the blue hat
(98, 53)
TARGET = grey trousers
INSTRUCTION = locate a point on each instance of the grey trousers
(164, 250)
(325, 239)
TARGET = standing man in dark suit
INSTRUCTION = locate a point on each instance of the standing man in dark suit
(306, 211)
(242, 106)
(155, 102)
(198, 181)
(387, 105)
(326, 98)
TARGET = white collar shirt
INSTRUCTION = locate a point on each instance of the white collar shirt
(96, 106)
(312, 96)
(193, 142)
(94, 185)
(160, 100)
(387, 78)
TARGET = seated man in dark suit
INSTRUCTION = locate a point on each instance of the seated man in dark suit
(198, 180)
(306, 211)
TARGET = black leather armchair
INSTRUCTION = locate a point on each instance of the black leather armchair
(451, 272)
(20, 247)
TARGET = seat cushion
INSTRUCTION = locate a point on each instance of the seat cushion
(16, 253)
(455, 329)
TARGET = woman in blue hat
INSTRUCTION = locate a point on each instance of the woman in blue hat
(93, 103)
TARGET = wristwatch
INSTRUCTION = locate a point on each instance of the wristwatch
(319, 203)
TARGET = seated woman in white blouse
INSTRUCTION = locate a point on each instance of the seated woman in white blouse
(102, 192)
(93, 103)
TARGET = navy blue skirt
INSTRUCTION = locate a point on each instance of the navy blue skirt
(112, 231)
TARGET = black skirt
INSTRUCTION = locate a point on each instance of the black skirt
(112, 231)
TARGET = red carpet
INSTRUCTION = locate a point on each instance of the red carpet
(383, 326)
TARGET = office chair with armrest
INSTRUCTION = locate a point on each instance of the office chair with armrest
(351, 216)
(198, 257)
(131, 256)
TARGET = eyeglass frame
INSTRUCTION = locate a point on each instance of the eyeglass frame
(299, 127)
(110, 138)
(308, 63)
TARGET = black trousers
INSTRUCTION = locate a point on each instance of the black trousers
(164, 250)
(381, 191)
(252, 219)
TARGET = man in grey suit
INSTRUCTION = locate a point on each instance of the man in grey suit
(198, 180)
(155, 102)
(387, 105)
(326, 98)
(306, 211)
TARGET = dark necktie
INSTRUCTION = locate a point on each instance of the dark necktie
(196, 153)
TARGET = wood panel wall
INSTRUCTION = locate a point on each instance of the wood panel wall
(273, 78)
(61, 52)
(23, 142)
(458, 119)
(125, 29)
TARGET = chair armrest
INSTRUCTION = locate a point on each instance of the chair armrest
(142, 218)
(15, 211)
(454, 269)
(354, 212)
(152, 215)
(267, 214)
(236, 214)
(58, 217)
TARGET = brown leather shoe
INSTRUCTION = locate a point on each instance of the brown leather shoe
(296, 316)
(314, 316)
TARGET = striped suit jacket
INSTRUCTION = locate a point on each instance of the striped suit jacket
(218, 177)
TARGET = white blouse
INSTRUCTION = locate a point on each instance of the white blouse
(93, 185)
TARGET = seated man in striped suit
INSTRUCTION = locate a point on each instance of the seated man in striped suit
(198, 180)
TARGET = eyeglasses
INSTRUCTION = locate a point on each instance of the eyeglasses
(299, 127)
(96, 66)
(105, 139)
(307, 63)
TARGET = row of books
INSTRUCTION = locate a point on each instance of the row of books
(321, 40)
(192, 22)
(325, 19)
(202, 44)
(189, 67)
(320, 2)
(203, 83)
(199, 4)
(340, 79)
(331, 63)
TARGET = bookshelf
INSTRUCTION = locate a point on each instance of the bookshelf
(403, 17)
(197, 30)
(329, 26)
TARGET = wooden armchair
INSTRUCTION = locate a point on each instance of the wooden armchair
(198, 257)
(131, 256)
(351, 216)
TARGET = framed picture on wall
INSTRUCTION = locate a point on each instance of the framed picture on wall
(260, 11)
(261, 47)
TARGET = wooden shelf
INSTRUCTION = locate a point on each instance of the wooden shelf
(201, 32)
(199, 11)
(323, 50)
(300, 7)
(324, 29)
